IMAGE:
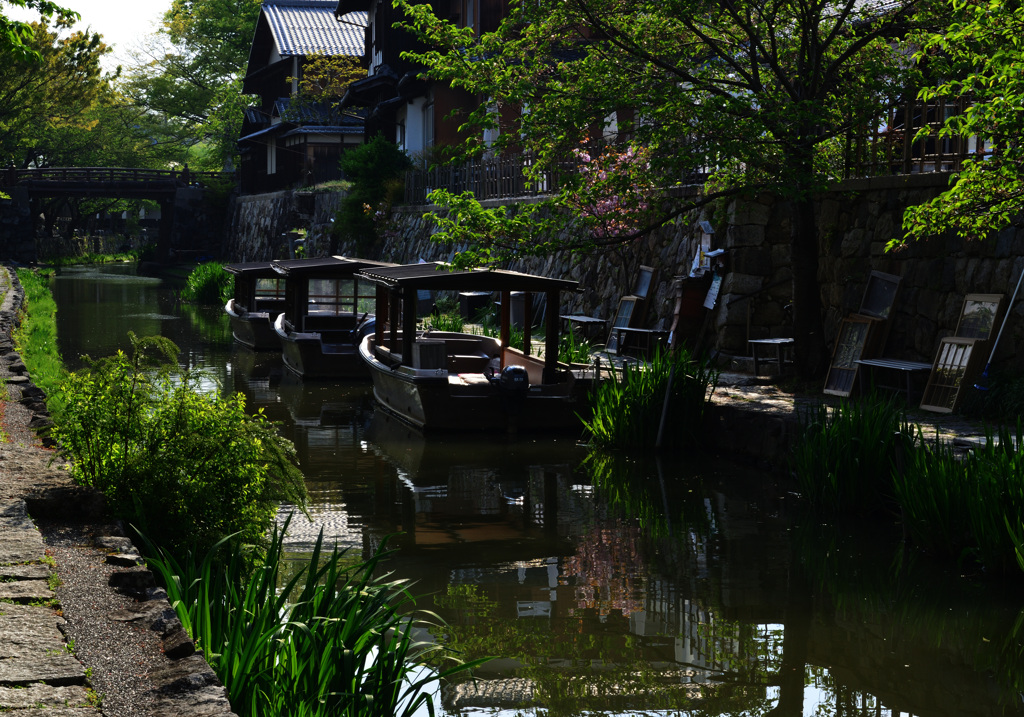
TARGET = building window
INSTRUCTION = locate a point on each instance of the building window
(428, 125)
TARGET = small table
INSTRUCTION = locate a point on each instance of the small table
(640, 340)
(780, 344)
(909, 368)
(587, 323)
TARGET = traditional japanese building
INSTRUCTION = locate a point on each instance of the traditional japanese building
(284, 145)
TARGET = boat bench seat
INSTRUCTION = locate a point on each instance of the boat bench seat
(468, 363)
(469, 384)
(335, 337)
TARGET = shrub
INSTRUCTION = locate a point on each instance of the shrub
(627, 410)
(208, 283)
(185, 467)
(329, 640)
(375, 170)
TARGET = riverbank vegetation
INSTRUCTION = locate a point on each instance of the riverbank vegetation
(629, 409)
(331, 638)
(36, 336)
(202, 481)
(208, 283)
(185, 467)
(953, 502)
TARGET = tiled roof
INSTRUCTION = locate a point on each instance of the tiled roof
(308, 27)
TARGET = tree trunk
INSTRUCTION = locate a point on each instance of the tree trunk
(810, 352)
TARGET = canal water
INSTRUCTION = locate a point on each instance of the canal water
(604, 585)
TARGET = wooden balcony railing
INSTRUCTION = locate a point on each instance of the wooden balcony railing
(889, 147)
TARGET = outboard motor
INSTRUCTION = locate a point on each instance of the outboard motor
(514, 384)
(367, 327)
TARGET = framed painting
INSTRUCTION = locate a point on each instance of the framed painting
(850, 343)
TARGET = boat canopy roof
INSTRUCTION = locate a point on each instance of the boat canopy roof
(258, 269)
(440, 276)
(325, 266)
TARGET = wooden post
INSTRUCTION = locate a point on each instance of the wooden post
(551, 322)
(380, 310)
(408, 324)
(394, 317)
(506, 323)
(527, 320)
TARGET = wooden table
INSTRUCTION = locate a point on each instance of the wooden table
(641, 340)
(587, 323)
(907, 368)
(780, 344)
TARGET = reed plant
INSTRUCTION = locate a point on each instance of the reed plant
(334, 638)
(446, 322)
(572, 350)
(968, 505)
(36, 337)
(627, 410)
(843, 461)
(208, 283)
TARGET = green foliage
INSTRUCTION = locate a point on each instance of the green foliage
(49, 92)
(573, 350)
(208, 283)
(188, 468)
(329, 640)
(446, 322)
(980, 56)
(843, 460)
(16, 36)
(188, 79)
(627, 410)
(375, 170)
(36, 338)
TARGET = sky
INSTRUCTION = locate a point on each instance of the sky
(121, 22)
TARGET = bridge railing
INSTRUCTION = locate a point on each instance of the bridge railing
(11, 176)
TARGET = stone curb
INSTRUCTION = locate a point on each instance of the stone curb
(49, 676)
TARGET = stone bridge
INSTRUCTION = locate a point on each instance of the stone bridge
(177, 192)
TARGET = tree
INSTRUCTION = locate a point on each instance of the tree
(47, 86)
(375, 170)
(191, 73)
(982, 53)
(323, 83)
(16, 36)
(760, 91)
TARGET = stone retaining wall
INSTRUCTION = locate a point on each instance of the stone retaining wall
(856, 220)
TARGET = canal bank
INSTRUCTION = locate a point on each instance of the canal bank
(750, 417)
(84, 630)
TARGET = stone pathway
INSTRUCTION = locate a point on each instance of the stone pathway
(135, 653)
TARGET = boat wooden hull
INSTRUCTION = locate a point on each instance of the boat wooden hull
(434, 400)
(253, 329)
(306, 355)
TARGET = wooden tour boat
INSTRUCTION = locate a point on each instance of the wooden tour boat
(328, 309)
(444, 381)
(258, 298)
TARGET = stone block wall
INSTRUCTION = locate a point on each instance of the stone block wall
(856, 220)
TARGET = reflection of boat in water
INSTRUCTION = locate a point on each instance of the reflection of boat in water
(325, 403)
(327, 312)
(258, 297)
(444, 381)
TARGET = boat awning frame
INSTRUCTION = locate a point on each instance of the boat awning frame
(440, 276)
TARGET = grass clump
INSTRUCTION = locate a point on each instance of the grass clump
(843, 459)
(208, 283)
(627, 410)
(329, 640)
(185, 467)
(36, 337)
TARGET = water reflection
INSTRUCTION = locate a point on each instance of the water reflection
(606, 585)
